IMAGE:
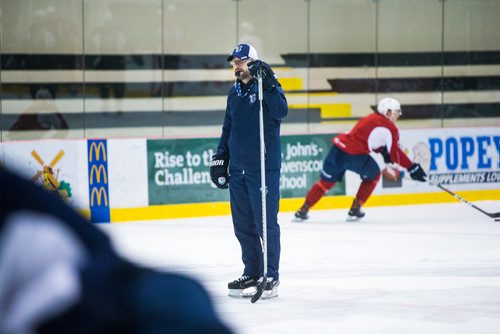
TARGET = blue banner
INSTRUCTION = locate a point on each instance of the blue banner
(98, 181)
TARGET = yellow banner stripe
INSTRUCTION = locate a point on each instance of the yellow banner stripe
(157, 212)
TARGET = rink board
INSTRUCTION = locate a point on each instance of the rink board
(119, 180)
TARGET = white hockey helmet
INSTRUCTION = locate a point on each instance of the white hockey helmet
(388, 103)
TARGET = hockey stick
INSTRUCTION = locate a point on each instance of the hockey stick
(460, 198)
(262, 285)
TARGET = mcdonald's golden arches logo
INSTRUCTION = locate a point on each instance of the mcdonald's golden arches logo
(96, 172)
(96, 148)
(98, 195)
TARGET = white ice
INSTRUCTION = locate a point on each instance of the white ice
(403, 269)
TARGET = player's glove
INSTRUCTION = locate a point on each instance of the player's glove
(259, 68)
(417, 173)
(218, 170)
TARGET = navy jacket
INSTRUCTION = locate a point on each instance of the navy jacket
(240, 131)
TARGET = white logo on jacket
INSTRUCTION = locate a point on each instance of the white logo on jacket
(253, 98)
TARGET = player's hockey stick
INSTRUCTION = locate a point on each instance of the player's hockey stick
(262, 285)
(460, 198)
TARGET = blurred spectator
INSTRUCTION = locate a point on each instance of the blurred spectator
(60, 274)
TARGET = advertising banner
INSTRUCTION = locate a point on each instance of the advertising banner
(302, 161)
(178, 169)
(98, 181)
(457, 156)
(58, 166)
(465, 157)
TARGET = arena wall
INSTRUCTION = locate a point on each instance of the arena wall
(117, 180)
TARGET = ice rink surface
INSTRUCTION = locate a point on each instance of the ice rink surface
(402, 269)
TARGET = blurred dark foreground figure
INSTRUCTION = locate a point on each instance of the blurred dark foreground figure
(60, 274)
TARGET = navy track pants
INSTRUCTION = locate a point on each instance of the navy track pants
(246, 210)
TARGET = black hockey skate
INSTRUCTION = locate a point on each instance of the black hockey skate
(243, 287)
(302, 213)
(355, 213)
(300, 216)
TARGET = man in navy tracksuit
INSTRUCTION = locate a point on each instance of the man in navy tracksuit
(240, 145)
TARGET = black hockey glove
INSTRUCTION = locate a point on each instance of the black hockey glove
(259, 68)
(417, 173)
(218, 170)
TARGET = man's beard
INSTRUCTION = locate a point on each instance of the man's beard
(242, 75)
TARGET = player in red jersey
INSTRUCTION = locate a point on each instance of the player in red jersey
(376, 132)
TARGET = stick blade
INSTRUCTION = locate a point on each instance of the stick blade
(260, 290)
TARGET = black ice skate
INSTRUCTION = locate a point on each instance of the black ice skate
(243, 287)
(302, 213)
(300, 216)
(355, 213)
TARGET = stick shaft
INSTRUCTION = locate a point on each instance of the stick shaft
(263, 176)
(463, 200)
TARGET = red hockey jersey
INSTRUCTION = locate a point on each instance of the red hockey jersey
(370, 134)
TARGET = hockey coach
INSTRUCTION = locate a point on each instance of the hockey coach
(236, 165)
